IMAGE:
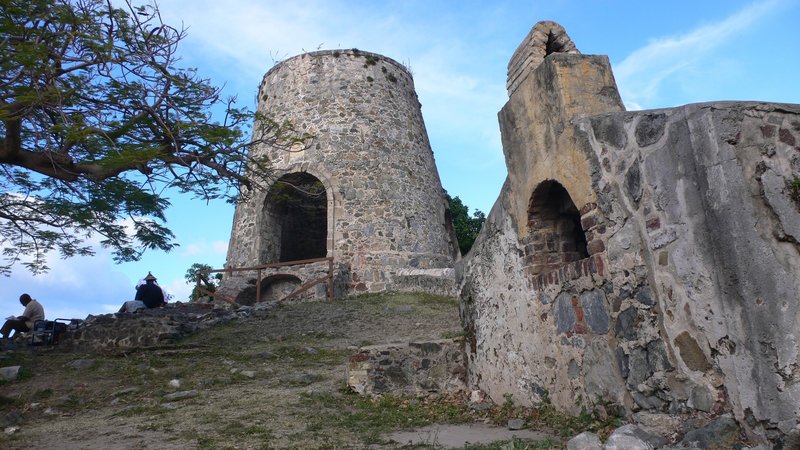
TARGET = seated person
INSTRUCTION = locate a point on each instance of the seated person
(33, 312)
(150, 293)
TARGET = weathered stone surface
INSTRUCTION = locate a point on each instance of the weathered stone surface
(415, 368)
(650, 129)
(516, 424)
(585, 441)
(691, 234)
(720, 434)
(626, 324)
(148, 327)
(593, 304)
(83, 363)
(660, 424)
(700, 397)
(379, 208)
(9, 373)
(602, 379)
(632, 437)
(690, 352)
(180, 395)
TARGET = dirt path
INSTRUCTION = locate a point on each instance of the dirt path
(273, 382)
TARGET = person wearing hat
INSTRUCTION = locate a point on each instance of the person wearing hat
(33, 312)
(150, 293)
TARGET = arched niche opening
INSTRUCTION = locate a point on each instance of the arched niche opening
(295, 225)
(273, 288)
(555, 228)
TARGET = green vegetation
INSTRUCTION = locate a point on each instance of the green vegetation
(209, 282)
(371, 417)
(466, 227)
(794, 189)
(370, 61)
(273, 381)
(97, 120)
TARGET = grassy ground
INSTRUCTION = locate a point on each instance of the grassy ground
(274, 382)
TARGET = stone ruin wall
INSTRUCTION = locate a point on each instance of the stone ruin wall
(685, 294)
(385, 222)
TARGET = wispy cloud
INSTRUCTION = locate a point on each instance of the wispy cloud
(642, 74)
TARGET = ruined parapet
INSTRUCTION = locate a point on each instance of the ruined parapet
(545, 38)
(416, 368)
(365, 191)
(647, 259)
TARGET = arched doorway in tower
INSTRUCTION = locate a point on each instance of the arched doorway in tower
(295, 220)
(555, 228)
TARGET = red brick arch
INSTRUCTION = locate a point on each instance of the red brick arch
(554, 223)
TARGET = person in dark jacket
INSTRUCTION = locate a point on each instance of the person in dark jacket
(150, 293)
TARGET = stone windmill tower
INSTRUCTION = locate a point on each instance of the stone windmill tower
(365, 191)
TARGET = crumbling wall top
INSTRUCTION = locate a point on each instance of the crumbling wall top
(546, 37)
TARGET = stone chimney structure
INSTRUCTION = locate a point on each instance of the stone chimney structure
(644, 259)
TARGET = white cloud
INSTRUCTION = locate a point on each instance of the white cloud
(642, 74)
(209, 250)
(178, 289)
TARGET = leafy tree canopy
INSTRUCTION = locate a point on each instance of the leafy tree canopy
(466, 227)
(96, 120)
(208, 282)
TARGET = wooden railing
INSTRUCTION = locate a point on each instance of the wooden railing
(260, 270)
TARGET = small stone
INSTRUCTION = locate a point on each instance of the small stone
(80, 363)
(310, 350)
(248, 373)
(718, 435)
(633, 437)
(10, 419)
(585, 441)
(11, 430)
(9, 373)
(180, 395)
(476, 396)
(175, 383)
(125, 391)
(516, 424)
(170, 406)
(662, 424)
(264, 355)
(701, 398)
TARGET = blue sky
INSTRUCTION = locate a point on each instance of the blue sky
(663, 54)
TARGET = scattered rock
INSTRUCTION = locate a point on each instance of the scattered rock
(302, 379)
(11, 430)
(11, 418)
(9, 373)
(170, 406)
(248, 373)
(476, 396)
(175, 383)
(125, 391)
(516, 424)
(585, 441)
(80, 363)
(720, 434)
(701, 398)
(264, 355)
(661, 424)
(633, 437)
(180, 395)
(310, 350)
